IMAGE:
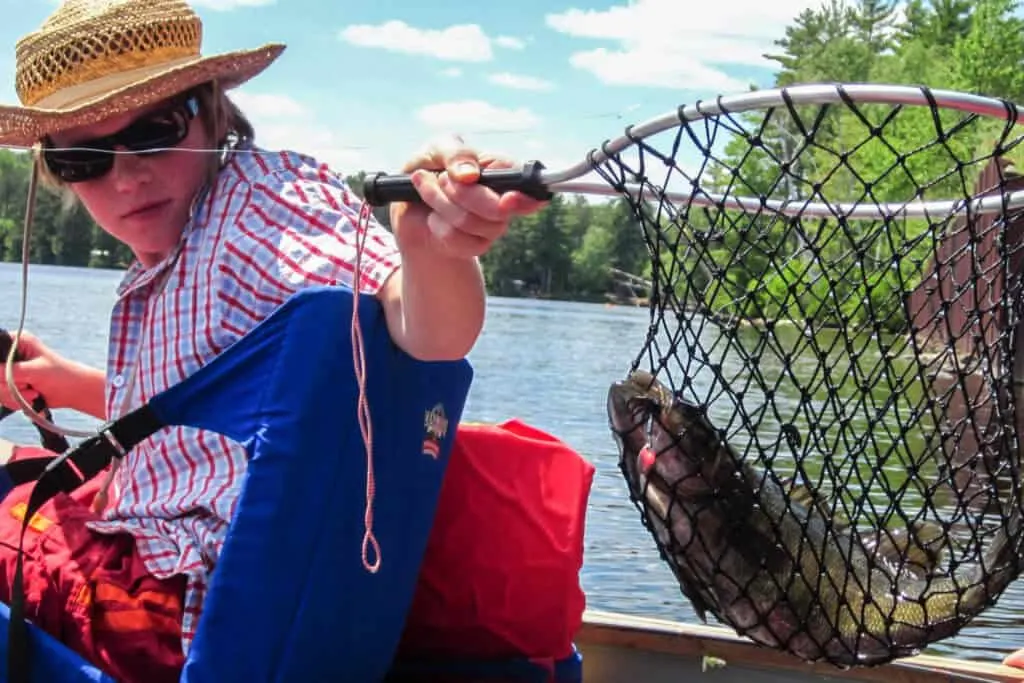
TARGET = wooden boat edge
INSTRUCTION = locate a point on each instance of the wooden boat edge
(686, 640)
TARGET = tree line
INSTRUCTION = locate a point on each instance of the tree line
(573, 248)
(61, 235)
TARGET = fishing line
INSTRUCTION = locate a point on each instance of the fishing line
(482, 132)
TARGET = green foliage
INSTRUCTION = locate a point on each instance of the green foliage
(60, 235)
(845, 272)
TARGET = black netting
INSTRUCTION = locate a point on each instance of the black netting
(831, 411)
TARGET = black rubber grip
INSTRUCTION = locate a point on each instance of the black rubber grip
(381, 189)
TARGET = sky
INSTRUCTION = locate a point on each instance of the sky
(364, 85)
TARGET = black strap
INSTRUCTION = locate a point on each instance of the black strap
(54, 475)
(51, 441)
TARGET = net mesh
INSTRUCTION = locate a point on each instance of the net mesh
(826, 448)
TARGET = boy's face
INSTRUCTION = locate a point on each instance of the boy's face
(144, 200)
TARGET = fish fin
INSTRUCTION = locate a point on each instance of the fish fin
(803, 494)
(697, 601)
(692, 589)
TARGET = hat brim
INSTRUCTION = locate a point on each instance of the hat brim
(24, 126)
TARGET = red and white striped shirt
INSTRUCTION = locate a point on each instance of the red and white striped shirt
(273, 223)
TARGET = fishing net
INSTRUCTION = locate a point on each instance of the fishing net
(830, 295)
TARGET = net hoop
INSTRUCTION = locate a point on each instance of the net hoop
(567, 180)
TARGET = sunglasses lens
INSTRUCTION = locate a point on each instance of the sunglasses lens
(75, 166)
(155, 134)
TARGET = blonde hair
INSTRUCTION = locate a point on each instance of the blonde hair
(221, 118)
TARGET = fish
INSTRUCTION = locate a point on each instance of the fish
(917, 547)
(50, 440)
(775, 566)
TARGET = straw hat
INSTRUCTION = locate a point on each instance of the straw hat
(92, 59)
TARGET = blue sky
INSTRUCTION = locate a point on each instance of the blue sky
(365, 84)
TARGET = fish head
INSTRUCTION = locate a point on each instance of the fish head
(666, 444)
(631, 403)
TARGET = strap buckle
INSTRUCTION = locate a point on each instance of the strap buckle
(107, 433)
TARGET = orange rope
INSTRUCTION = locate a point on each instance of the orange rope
(363, 409)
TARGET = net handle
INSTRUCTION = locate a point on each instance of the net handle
(382, 189)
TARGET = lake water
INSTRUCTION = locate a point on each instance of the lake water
(547, 363)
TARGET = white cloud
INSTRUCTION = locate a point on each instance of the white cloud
(456, 43)
(650, 49)
(520, 82)
(509, 42)
(476, 116)
(227, 5)
(452, 72)
(647, 66)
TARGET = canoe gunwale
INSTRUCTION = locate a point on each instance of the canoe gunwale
(692, 641)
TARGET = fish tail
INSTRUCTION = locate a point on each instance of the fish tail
(952, 604)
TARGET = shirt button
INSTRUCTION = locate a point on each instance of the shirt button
(118, 381)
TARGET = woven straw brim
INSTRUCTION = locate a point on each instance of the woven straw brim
(24, 126)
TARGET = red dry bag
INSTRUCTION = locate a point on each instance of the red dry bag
(501, 576)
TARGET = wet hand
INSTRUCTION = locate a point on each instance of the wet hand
(458, 218)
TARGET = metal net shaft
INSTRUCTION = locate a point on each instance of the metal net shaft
(826, 450)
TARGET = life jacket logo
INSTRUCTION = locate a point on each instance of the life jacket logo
(435, 424)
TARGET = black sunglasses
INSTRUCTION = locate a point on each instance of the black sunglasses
(91, 159)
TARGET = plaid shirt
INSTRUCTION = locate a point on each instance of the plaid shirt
(272, 224)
